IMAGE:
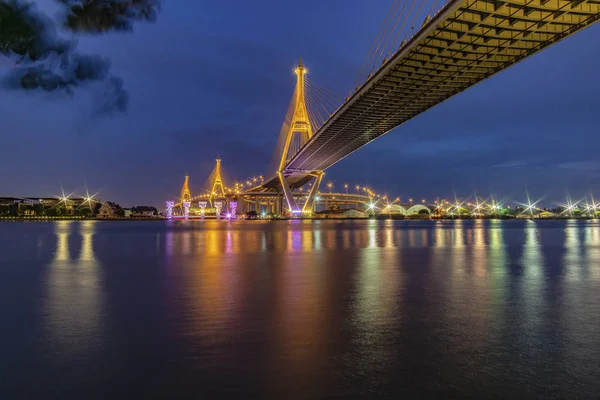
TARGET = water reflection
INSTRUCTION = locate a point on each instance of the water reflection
(73, 304)
(372, 232)
(532, 253)
(459, 252)
(325, 309)
(592, 248)
(377, 313)
(573, 254)
(532, 284)
(498, 275)
(479, 250)
(300, 342)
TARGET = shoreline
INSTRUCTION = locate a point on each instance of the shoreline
(74, 218)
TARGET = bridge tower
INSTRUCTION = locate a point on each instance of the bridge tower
(185, 190)
(299, 132)
(217, 187)
(300, 124)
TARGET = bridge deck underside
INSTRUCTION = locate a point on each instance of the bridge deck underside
(465, 43)
(295, 181)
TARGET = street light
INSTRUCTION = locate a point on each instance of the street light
(346, 187)
(330, 185)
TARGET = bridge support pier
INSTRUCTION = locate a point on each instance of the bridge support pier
(186, 209)
(233, 209)
(310, 201)
(202, 205)
(218, 207)
(289, 197)
(170, 205)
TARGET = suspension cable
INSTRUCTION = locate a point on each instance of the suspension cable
(393, 46)
(379, 33)
(412, 25)
(373, 60)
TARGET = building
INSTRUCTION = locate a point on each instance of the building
(107, 210)
(45, 201)
(144, 212)
(9, 201)
(341, 213)
(547, 214)
(353, 213)
(27, 206)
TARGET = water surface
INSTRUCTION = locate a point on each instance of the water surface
(300, 309)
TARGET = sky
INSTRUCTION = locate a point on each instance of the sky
(215, 78)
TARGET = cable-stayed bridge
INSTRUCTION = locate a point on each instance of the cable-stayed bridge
(455, 47)
(464, 43)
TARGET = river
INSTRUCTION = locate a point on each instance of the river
(300, 309)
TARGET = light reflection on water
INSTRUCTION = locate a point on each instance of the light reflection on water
(73, 305)
(305, 309)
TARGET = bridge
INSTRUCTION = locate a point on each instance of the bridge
(463, 43)
(223, 199)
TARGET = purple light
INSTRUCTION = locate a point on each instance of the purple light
(228, 215)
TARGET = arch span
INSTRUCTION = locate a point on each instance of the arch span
(394, 209)
(418, 208)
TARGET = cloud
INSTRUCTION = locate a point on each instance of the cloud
(581, 165)
(511, 164)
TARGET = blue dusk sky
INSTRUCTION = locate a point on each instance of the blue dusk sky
(215, 77)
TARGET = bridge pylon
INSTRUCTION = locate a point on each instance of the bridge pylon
(310, 200)
(217, 188)
(185, 190)
(299, 132)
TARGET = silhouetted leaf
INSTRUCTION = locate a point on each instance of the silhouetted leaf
(99, 16)
(31, 36)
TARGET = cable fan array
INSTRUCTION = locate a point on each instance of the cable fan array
(321, 103)
(393, 28)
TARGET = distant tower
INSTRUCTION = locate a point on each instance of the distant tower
(185, 190)
(217, 187)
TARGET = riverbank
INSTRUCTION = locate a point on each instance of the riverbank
(379, 217)
(76, 218)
